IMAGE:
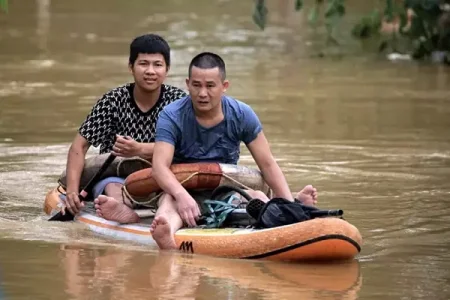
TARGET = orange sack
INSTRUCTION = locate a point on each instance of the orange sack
(193, 176)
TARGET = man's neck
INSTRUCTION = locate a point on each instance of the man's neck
(145, 100)
(210, 118)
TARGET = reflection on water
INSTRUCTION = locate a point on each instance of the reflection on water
(371, 135)
(82, 271)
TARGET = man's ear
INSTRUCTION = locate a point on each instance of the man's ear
(130, 68)
(187, 82)
(226, 85)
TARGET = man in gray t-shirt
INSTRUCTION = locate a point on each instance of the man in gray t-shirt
(208, 126)
(193, 142)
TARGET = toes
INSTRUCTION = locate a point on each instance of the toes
(162, 221)
(102, 199)
(159, 220)
(153, 226)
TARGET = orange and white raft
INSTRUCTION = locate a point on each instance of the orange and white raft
(317, 239)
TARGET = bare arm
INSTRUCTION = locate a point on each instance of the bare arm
(74, 169)
(75, 162)
(125, 146)
(260, 150)
(162, 159)
(146, 150)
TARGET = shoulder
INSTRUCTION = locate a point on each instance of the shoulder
(119, 92)
(237, 107)
(172, 93)
(116, 94)
(178, 107)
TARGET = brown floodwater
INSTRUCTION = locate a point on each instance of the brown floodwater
(371, 135)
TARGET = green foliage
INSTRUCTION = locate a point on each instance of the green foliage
(389, 10)
(260, 13)
(368, 26)
(334, 11)
(298, 5)
(4, 5)
(427, 29)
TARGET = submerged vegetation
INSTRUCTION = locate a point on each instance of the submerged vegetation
(420, 28)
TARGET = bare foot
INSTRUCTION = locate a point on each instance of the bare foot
(308, 196)
(162, 234)
(113, 210)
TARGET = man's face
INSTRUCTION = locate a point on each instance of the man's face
(149, 71)
(206, 88)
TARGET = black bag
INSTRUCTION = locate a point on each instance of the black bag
(280, 212)
(276, 212)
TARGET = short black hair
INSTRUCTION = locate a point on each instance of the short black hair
(149, 44)
(208, 60)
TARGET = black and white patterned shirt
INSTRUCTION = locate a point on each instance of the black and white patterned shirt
(117, 113)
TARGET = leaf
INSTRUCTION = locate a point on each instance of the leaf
(341, 9)
(313, 14)
(260, 14)
(4, 5)
(335, 8)
(383, 46)
(403, 21)
(389, 10)
(368, 26)
(330, 24)
(298, 5)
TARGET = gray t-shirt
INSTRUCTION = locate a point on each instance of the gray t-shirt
(178, 126)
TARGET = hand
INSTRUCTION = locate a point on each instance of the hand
(188, 209)
(73, 203)
(125, 146)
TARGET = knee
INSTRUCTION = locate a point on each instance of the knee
(113, 187)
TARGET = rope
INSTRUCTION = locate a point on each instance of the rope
(150, 202)
(237, 182)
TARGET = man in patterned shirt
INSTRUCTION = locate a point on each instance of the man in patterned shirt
(123, 121)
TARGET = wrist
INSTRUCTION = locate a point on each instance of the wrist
(143, 152)
(140, 151)
(71, 189)
(180, 195)
(71, 194)
(146, 150)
